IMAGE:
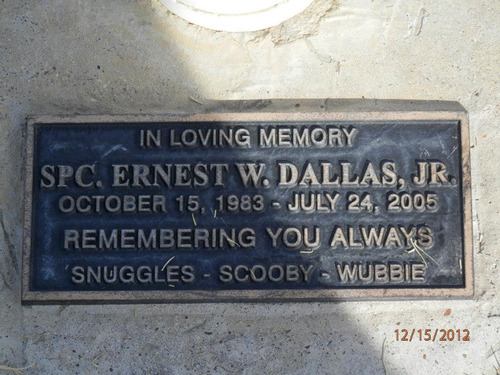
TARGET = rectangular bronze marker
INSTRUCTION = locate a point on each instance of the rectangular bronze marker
(248, 207)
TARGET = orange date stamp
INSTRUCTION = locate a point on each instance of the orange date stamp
(432, 334)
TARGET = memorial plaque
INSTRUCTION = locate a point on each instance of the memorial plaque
(247, 207)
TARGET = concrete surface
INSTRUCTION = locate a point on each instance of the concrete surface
(117, 57)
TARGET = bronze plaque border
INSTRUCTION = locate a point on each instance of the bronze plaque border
(171, 296)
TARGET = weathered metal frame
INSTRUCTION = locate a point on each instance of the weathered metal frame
(446, 111)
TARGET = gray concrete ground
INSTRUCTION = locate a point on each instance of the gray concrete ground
(118, 57)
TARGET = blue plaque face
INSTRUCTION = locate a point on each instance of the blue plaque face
(217, 208)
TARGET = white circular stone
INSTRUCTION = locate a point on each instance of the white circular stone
(236, 15)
